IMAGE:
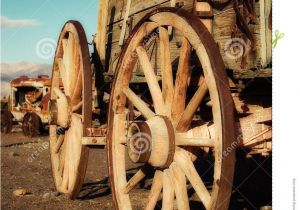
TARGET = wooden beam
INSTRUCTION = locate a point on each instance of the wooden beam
(94, 140)
(102, 29)
(124, 24)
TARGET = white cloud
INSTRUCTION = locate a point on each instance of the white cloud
(10, 71)
(11, 23)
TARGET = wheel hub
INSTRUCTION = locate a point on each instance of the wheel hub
(60, 112)
(152, 141)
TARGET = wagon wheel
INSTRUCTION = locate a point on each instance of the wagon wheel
(6, 121)
(160, 140)
(31, 124)
(70, 106)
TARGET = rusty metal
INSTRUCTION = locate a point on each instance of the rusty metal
(30, 97)
(96, 131)
(6, 121)
(31, 124)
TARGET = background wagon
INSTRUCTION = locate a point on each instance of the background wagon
(27, 105)
(170, 86)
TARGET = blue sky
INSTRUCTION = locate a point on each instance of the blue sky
(25, 22)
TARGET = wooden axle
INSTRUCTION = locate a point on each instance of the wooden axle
(251, 132)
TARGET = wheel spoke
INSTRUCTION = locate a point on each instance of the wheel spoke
(77, 89)
(139, 103)
(183, 139)
(151, 80)
(179, 181)
(78, 106)
(62, 72)
(187, 166)
(156, 188)
(168, 191)
(183, 73)
(65, 179)
(136, 179)
(59, 143)
(62, 157)
(166, 69)
(191, 108)
(69, 63)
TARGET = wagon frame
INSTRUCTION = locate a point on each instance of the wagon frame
(179, 104)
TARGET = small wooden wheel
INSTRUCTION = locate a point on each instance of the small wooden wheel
(31, 124)
(6, 121)
(70, 104)
(171, 131)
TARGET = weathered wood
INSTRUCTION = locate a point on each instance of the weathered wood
(124, 23)
(223, 24)
(180, 188)
(187, 166)
(94, 141)
(183, 73)
(168, 191)
(59, 142)
(205, 7)
(134, 180)
(191, 108)
(151, 80)
(167, 76)
(139, 103)
(101, 38)
(156, 188)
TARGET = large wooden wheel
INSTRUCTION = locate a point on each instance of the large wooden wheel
(70, 107)
(172, 133)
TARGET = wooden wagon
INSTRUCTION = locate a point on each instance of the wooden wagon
(166, 86)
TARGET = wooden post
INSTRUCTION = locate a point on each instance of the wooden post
(204, 11)
(102, 29)
(124, 24)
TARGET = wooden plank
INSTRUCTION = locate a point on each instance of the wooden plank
(103, 14)
(124, 24)
(222, 28)
(94, 140)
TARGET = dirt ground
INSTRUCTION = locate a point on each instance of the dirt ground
(25, 163)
